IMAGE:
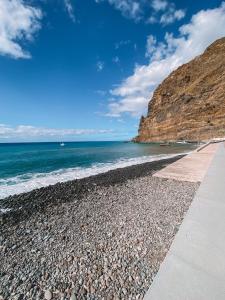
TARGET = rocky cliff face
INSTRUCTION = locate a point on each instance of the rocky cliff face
(190, 103)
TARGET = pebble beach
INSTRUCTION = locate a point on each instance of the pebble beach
(101, 237)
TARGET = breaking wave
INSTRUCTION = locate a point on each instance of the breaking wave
(28, 182)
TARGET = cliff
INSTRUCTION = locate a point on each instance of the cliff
(190, 103)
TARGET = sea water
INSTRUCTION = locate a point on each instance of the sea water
(27, 166)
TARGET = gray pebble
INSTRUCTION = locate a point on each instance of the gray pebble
(48, 295)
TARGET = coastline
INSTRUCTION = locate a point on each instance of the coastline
(96, 237)
(29, 181)
(21, 204)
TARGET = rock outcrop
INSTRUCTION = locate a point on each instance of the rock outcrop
(190, 103)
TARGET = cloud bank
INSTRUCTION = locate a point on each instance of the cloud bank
(133, 94)
(24, 131)
(18, 22)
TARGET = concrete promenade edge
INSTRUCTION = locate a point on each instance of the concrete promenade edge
(192, 167)
(194, 267)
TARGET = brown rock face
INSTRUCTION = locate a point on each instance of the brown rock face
(190, 103)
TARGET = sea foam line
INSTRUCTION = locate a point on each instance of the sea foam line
(28, 182)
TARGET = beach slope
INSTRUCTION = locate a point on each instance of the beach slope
(94, 238)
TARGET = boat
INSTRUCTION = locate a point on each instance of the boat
(62, 144)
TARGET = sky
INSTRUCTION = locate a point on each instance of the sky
(77, 70)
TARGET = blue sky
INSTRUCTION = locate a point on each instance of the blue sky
(85, 70)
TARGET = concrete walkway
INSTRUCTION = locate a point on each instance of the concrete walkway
(192, 167)
(194, 268)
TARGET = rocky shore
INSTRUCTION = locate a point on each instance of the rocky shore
(101, 237)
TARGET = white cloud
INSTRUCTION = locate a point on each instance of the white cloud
(158, 5)
(172, 15)
(134, 92)
(70, 10)
(127, 105)
(24, 131)
(151, 45)
(152, 19)
(18, 22)
(100, 66)
(168, 11)
(163, 11)
(129, 8)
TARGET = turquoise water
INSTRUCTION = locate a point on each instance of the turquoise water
(26, 166)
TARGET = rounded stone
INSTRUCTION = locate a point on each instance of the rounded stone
(48, 295)
(73, 297)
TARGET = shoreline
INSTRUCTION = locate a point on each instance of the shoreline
(13, 206)
(38, 180)
(99, 237)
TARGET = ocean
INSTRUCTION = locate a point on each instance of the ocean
(27, 166)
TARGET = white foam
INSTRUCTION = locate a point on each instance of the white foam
(5, 210)
(29, 182)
